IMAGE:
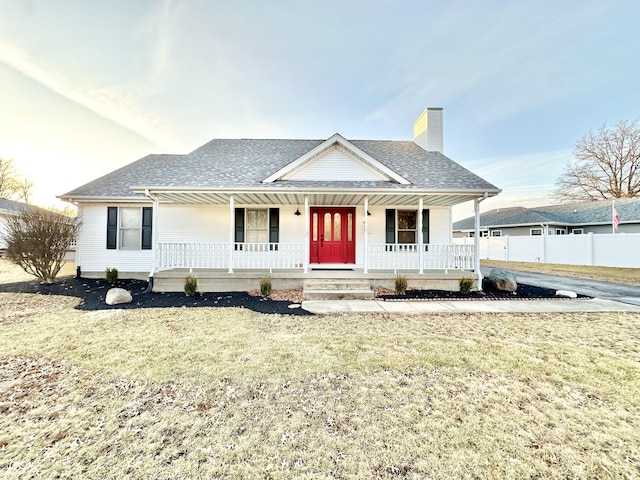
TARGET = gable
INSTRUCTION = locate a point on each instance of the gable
(336, 164)
(336, 159)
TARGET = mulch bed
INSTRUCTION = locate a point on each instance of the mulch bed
(92, 293)
(524, 292)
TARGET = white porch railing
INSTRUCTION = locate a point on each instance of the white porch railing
(216, 255)
(270, 256)
(390, 256)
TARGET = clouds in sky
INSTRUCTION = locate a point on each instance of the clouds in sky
(520, 81)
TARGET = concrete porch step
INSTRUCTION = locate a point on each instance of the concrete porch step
(328, 289)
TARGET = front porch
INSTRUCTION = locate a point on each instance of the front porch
(240, 266)
(218, 280)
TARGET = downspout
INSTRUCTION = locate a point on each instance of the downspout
(476, 248)
(78, 256)
(154, 228)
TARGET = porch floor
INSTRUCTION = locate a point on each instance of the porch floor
(220, 280)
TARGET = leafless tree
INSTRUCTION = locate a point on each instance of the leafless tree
(606, 165)
(8, 174)
(25, 189)
(37, 241)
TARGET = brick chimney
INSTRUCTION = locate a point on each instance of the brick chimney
(427, 130)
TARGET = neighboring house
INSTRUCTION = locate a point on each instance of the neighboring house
(565, 219)
(235, 210)
(9, 208)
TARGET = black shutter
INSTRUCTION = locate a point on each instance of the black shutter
(147, 225)
(112, 228)
(274, 227)
(425, 226)
(391, 225)
(239, 225)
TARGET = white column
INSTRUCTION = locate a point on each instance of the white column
(232, 218)
(420, 238)
(366, 235)
(154, 235)
(306, 234)
(476, 243)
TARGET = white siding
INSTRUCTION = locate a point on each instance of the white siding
(93, 256)
(192, 223)
(335, 164)
(3, 229)
(210, 223)
(440, 225)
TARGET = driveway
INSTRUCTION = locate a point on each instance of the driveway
(593, 288)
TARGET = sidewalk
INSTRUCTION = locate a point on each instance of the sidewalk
(460, 306)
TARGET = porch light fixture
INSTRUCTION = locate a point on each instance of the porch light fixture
(297, 212)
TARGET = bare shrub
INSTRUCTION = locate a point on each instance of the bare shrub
(37, 241)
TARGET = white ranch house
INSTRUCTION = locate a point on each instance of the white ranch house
(235, 210)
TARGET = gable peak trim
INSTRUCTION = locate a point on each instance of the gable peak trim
(350, 148)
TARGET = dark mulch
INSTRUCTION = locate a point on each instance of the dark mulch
(92, 293)
(524, 292)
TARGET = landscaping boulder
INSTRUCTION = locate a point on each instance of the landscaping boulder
(118, 295)
(566, 294)
(502, 280)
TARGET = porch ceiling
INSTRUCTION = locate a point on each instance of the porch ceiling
(315, 198)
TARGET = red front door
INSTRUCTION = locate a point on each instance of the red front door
(333, 235)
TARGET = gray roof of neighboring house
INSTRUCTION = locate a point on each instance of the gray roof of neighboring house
(244, 163)
(582, 213)
(11, 206)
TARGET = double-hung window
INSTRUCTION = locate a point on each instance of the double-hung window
(129, 228)
(402, 227)
(257, 226)
(257, 229)
(407, 226)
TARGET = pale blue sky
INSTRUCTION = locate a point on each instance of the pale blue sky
(89, 86)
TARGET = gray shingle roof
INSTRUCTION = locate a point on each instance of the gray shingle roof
(11, 206)
(576, 214)
(244, 163)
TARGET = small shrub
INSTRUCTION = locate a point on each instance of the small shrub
(401, 285)
(466, 284)
(190, 285)
(265, 286)
(112, 275)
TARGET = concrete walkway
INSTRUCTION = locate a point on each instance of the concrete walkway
(608, 297)
(459, 306)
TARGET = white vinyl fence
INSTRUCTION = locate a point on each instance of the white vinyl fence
(605, 250)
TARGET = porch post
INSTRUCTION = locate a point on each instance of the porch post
(154, 235)
(366, 234)
(476, 241)
(306, 234)
(232, 218)
(420, 237)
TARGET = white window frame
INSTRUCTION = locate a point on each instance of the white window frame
(496, 233)
(531, 232)
(265, 230)
(398, 229)
(122, 229)
(577, 231)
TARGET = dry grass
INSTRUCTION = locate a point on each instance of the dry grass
(624, 276)
(10, 273)
(210, 393)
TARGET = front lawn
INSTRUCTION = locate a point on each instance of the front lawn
(230, 393)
